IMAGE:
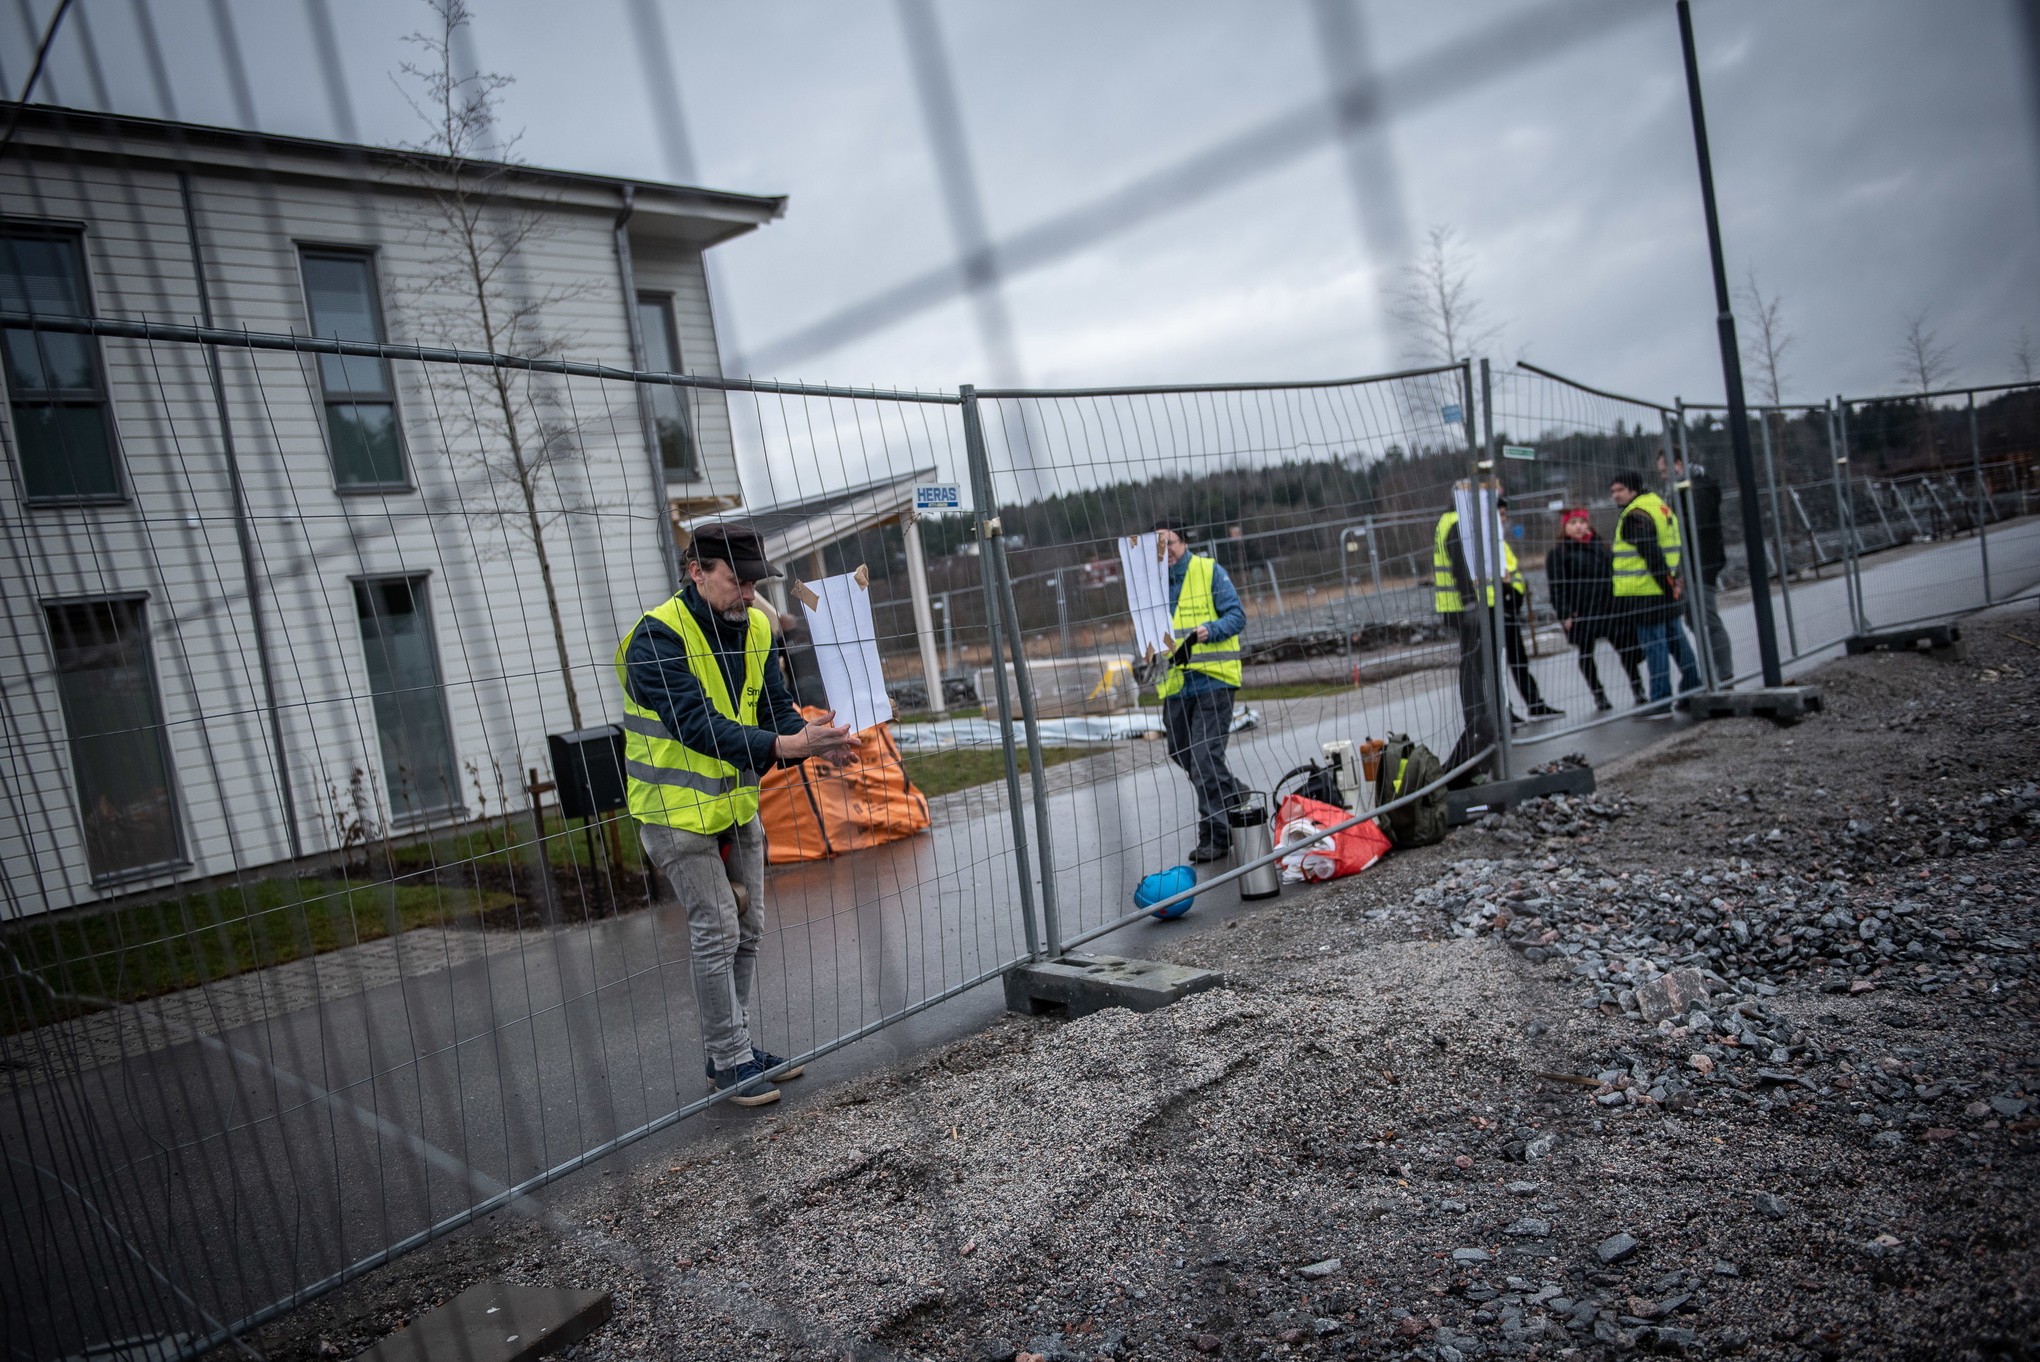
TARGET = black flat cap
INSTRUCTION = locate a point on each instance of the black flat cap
(737, 545)
(1173, 522)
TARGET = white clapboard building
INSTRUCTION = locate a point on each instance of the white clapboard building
(204, 678)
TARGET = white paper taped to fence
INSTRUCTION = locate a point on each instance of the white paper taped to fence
(846, 650)
(1477, 531)
(1147, 591)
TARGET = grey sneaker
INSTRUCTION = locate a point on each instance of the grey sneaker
(764, 1059)
(751, 1090)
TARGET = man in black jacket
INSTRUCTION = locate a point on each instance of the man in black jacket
(1705, 498)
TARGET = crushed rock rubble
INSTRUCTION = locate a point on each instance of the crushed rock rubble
(1603, 1078)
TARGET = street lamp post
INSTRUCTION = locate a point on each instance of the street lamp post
(1731, 373)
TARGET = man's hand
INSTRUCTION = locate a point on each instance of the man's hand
(821, 739)
(1201, 634)
(1678, 589)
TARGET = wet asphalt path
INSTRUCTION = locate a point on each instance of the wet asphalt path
(205, 1180)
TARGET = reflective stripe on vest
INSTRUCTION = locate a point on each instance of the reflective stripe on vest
(668, 782)
(1632, 574)
(1194, 606)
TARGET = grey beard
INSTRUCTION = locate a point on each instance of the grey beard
(736, 616)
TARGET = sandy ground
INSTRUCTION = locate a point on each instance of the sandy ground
(1434, 1112)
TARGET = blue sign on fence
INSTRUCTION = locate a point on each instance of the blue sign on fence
(935, 496)
(1452, 414)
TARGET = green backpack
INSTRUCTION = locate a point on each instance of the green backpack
(1407, 766)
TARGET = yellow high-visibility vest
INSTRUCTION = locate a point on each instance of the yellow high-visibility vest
(1632, 574)
(1194, 607)
(668, 782)
(1444, 586)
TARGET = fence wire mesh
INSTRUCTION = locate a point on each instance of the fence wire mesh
(306, 958)
(1318, 506)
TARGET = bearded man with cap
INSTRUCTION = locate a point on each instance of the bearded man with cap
(706, 709)
(1197, 693)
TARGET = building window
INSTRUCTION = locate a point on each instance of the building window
(118, 753)
(56, 386)
(361, 398)
(670, 425)
(410, 702)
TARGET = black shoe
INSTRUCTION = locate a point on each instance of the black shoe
(751, 1090)
(1637, 696)
(1207, 853)
(1601, 700)
(1540, 710)
(764, 1059)
(1683, 704)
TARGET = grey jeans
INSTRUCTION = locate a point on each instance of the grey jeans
(722, 941)
(1717, 632)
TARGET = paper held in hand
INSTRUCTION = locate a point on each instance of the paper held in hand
(1145, 567)
(838, 613)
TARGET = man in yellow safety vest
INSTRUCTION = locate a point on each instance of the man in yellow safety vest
(1648, 588)
(1197, 696)
(1515, 609)
(705, 709)
(1458, 607)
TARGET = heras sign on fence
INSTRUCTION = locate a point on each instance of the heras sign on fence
(936, 496)
(1451, 414)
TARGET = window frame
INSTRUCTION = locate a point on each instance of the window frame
(179, 862)
(370, 256)
(420, 585)
(75, 233)
(670, 325)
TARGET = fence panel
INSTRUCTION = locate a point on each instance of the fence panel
(304, 963)
(1320, 504)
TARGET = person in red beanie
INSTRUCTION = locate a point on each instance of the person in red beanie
(1580, 571)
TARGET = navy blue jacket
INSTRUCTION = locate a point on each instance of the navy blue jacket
(655, 665)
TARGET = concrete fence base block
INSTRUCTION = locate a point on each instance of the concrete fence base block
(1936, 640)
(1083, 984)
(1771, 702)
(497, 1321)
(1478, 801)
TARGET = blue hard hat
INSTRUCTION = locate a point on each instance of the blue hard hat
(1166, 884)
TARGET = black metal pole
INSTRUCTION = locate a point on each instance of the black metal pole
(1731, 375)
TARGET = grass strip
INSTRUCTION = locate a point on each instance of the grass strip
(941, 773)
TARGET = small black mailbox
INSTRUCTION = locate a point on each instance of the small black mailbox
(588, 771)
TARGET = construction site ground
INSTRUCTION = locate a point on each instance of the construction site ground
(1446, 1109)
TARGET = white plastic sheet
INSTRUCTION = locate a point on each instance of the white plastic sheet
(1146, 570)
(846, 649)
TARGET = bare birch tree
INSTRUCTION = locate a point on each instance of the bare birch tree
(475, 293)
(2022, 356)
(1924, 364)
(1765, 341)
(1445, 321)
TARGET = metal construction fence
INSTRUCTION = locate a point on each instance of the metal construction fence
(310, 956)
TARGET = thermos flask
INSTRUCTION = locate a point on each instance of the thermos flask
(1251, 841)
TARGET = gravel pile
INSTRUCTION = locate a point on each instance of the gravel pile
(1602, 1078)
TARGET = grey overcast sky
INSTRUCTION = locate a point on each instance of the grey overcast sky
(1875, 159)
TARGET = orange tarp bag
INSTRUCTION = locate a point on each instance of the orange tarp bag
(811, 812)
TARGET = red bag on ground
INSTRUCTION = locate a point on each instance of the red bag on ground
(1343, 853)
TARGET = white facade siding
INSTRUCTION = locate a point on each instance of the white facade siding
(174, 540)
